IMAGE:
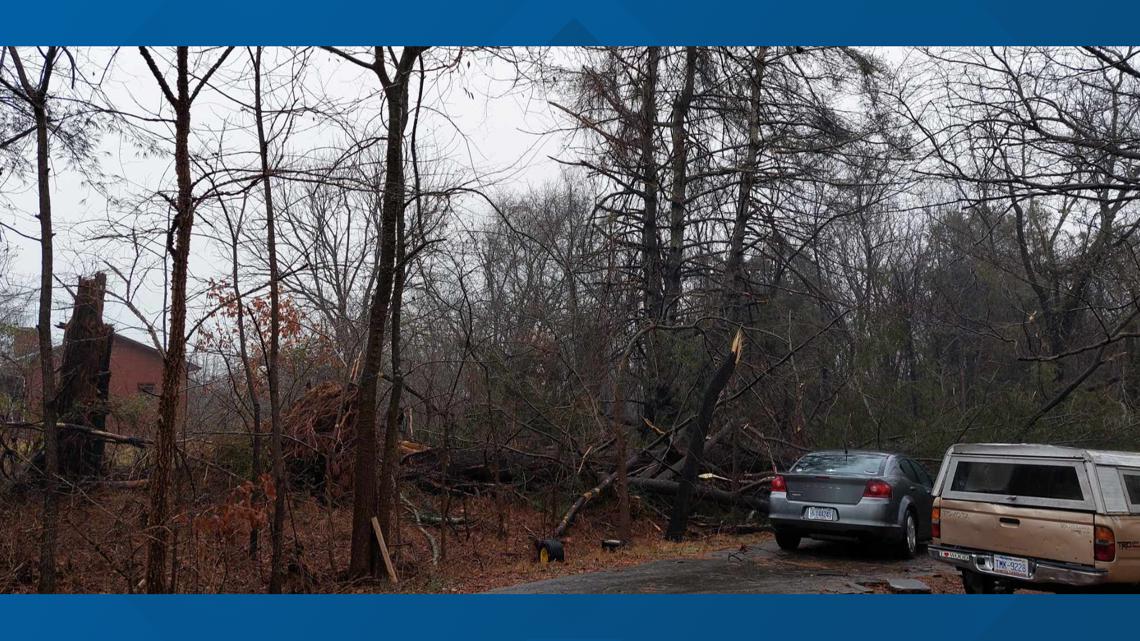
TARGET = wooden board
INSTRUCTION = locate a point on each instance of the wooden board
(384, 552)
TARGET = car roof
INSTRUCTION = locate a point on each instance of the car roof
(1101, 457)
(871, 452)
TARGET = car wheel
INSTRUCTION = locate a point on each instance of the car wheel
(908, 546)
(975, 583)
(787, 540)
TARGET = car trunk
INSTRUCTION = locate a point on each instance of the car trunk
(821, 488)
(1043, 533)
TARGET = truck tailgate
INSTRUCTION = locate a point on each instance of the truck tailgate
(1055, 535)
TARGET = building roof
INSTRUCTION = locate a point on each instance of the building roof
(120, 339)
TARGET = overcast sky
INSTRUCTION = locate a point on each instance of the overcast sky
(481, 123)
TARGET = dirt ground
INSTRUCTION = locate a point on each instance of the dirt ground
(490, 548)
(760, 567)
(101, 545)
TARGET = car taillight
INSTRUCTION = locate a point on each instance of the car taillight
(936, 522)
(778, 484)
(1104, 544)
(877, 490)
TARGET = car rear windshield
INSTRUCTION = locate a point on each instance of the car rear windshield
(840, 463)
(1018, 479)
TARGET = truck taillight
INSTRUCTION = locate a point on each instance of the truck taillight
(1104, 544)
(778, 484)
(877, 490)
(936, 522)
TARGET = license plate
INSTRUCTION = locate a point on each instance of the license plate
(1011, 566)
(821, 514)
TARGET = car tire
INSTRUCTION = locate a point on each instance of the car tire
(907, 547)
(549, 550)
(787, 540)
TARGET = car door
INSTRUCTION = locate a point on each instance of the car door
(920, 486)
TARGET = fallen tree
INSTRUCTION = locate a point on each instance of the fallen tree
(703, 492)
(87, 432)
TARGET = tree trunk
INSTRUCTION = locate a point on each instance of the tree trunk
(701, 492)
(37, 97)
(390, 459)
(656, 386)
(81, 398)
(280, 481)
(678, 197)
(174, 364)
(735, 290)
(250, 383)
(679, 519)
(364, 554)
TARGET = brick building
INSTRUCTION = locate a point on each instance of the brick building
(133, 389)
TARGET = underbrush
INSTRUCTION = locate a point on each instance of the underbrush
(483, 545)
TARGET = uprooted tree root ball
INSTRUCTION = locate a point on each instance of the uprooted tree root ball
(320, 431)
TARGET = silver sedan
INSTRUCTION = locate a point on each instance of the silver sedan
(853, 495)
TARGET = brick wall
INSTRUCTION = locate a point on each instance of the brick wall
(135, 385)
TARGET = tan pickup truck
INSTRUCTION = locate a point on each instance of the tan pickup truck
(1038, 516)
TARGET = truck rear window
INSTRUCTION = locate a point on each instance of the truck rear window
(1018, 479)
(1132, 486)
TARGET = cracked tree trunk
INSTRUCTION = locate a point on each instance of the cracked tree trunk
(84, 376)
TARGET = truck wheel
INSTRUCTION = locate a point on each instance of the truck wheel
(975, 583)
(1002, 587)
(908, 546)
(787, 540)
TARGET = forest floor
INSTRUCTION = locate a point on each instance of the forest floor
(101, 549)
(101, 544)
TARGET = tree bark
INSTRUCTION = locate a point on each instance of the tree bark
(364, 555)
(174, 364)
(678, 197)
(657, 388)
(36, 97)
(280, 481)
(390, 459)
(250, 381)
(701, 492)
(81, 397)
(174, 358)
(679, 519)
(735, 290)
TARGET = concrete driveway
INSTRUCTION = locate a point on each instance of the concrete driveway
(816, 568)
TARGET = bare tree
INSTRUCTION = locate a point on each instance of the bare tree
(368, 500)
(279, 478)
(36, 93)
(180, 99)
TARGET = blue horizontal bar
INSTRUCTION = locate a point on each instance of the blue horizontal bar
(566, 618)
(514, 22)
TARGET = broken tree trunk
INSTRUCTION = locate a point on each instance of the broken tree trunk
(606, 482)
(84, 377)
(679, 519)
(701, 492)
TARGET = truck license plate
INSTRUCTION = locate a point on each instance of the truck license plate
(821, 514)
(1011, 566)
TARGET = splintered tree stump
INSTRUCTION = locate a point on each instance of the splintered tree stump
(84, 379)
